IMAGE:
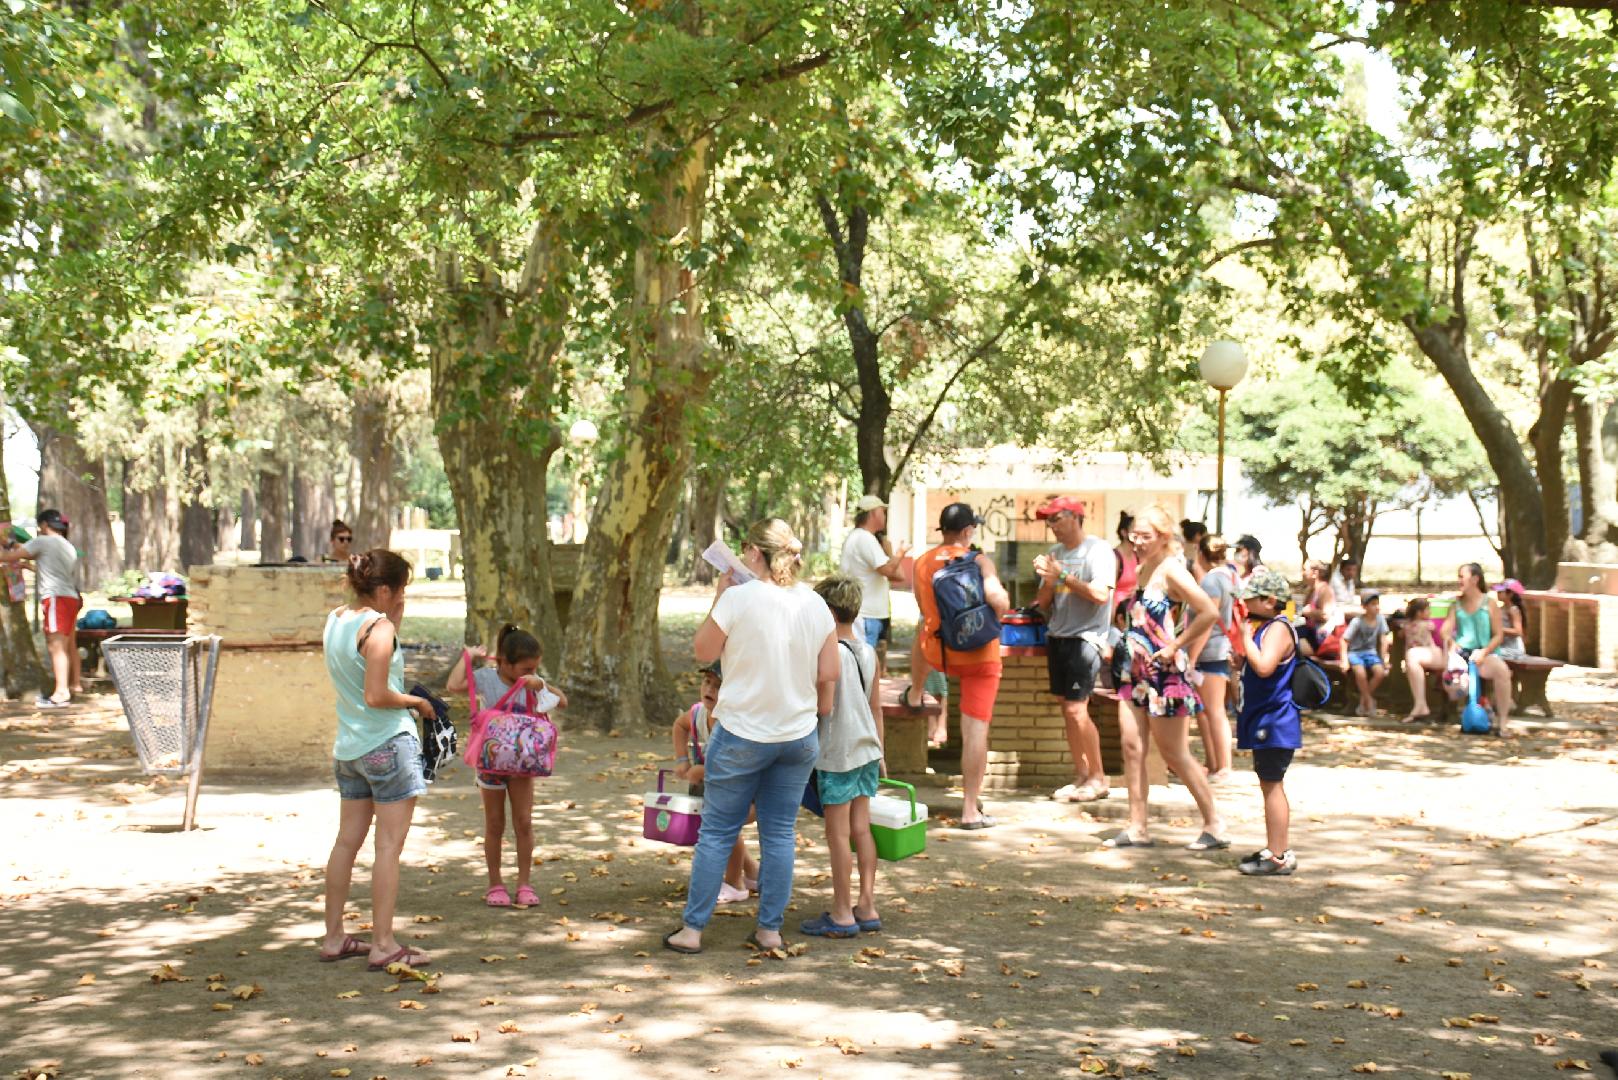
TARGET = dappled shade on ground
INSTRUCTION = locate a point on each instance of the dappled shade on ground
(1451, 914)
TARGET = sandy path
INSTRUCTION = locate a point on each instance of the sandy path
(1441, 880)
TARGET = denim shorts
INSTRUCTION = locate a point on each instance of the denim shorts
(1215, 667)
(390, 773)
(1367, 659)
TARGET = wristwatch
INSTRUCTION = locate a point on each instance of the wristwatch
(1062, 576)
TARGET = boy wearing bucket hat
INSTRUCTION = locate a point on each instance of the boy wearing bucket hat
(1269, 724)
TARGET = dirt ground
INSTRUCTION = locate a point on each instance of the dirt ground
(1453, 914)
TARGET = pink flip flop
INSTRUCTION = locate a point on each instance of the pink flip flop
(497, 896)
(352, 946)
(526, 896)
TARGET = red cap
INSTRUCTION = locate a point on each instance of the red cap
(1057, 505)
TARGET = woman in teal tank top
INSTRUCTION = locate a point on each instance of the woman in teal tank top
(376, 756)
(1474, 631)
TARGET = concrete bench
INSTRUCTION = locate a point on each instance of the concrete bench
(1528, 677)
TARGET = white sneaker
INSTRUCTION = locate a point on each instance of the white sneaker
(730, 894)
(1066, 793)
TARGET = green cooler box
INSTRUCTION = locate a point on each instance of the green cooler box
(899, 826)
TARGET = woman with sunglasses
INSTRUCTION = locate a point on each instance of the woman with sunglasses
(1157, 695)
(342, 543)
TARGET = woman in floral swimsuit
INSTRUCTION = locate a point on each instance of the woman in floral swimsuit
(1157, 695)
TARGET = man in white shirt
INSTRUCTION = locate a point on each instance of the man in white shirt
(865, 560)
(56, 571)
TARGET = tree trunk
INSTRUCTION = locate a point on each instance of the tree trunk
(272, 513)
(376, 448)
(249, 539)
(1598, 480)
(1545, 437)
(227, 537)
(705, 523)
(314, 507)
(20, 669)
(70, 481)
(1529, 554)
(137, 520)
(199, 526)
(871, 426)
(493, 375)
(614, 659)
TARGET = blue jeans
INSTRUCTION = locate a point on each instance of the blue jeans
(741, 774)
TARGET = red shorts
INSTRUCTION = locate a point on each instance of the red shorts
(60, 613)
(980, 685)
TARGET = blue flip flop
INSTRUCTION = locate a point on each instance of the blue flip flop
(825, 927)
(868, 926)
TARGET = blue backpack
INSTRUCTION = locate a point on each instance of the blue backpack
(1474, 718)
(965, 619)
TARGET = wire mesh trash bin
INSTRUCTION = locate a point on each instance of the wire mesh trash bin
(166, 687)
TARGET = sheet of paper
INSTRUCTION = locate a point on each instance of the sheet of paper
(721, 558)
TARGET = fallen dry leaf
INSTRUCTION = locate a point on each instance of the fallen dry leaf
(246, 992)
(348, 994)
(1244, 1037)
(1356, 984)
(254, 1059)
(222, 1006)
(1308, 987)
(508, 1027)
(167, 973)
(1450, 1075)
(1367, 1067)
(87, 979)
(411, 1003)
(1093, 1065)
(1576, 1064)
(845, 1045)
(1186, 1051)
(465, 1036)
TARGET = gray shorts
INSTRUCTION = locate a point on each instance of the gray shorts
(390, 773)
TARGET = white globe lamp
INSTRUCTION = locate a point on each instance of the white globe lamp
(1223, 365)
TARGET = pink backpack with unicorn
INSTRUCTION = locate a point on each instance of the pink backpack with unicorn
(502, 742)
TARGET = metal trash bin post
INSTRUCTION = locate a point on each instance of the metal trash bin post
(166, 687)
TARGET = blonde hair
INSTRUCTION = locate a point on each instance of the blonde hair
(1213, 549)
(1162, 523)
(782, 551)
(1319, 568)
(843, 595)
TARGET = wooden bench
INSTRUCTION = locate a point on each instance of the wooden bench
(89, 641)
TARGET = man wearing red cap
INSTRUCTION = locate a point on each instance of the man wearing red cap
(1076, 583)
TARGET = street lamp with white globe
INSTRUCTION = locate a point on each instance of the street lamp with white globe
(1223, 365)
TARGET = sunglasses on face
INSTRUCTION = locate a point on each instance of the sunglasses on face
(1142, 537)
(343, 539)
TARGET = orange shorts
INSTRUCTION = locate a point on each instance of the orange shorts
(60, 614)
(980, 685)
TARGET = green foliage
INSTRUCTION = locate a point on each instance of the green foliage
(1303, 444)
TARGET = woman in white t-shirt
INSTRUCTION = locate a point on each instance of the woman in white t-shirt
(777, 643)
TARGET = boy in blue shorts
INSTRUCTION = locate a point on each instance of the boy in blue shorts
(1365, 651)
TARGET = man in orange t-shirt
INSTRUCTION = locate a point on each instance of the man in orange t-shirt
(978, 670)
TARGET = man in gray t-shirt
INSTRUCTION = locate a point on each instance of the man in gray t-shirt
(1077, 577)
(56, 565)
